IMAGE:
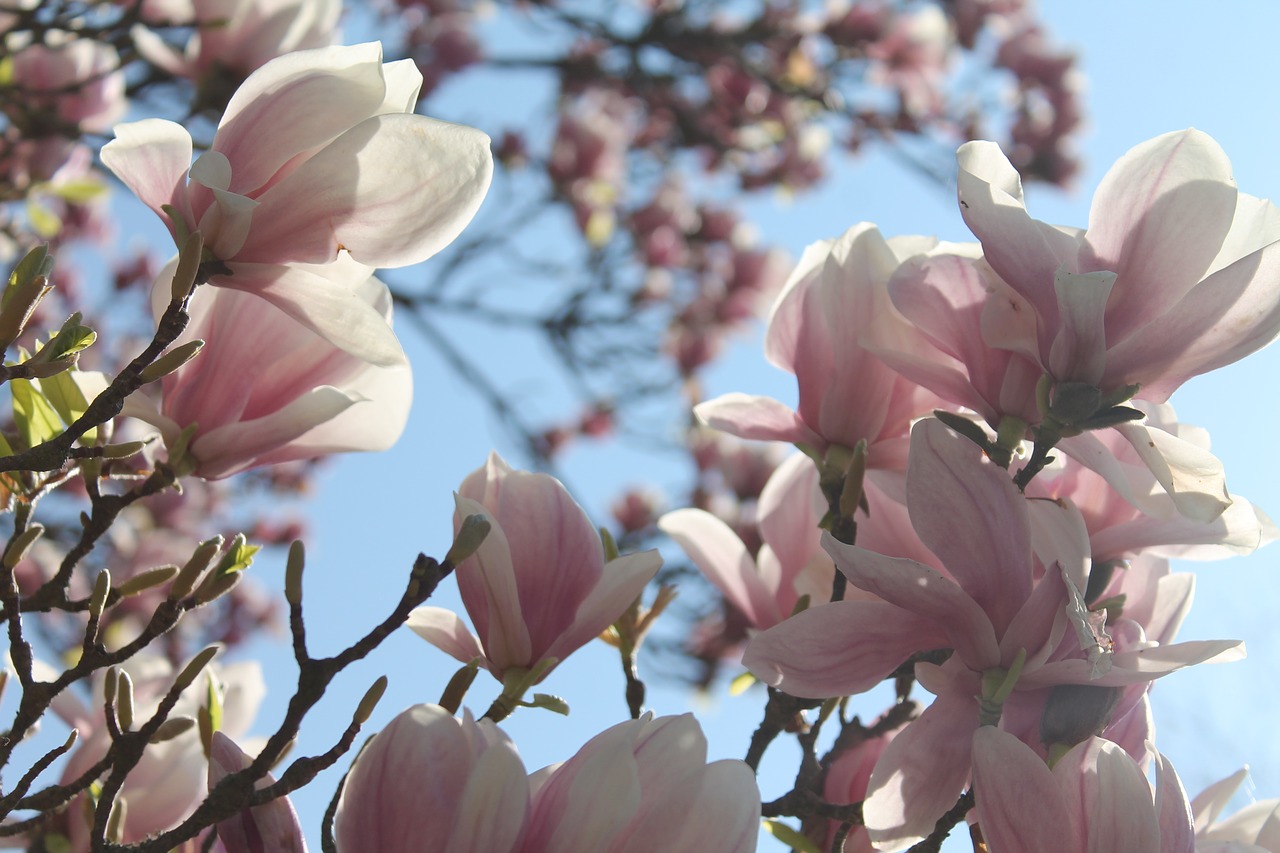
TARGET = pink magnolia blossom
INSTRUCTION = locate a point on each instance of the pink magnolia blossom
(1176, 275)
(317, 154)
(947, 295)
(236, 36)
(170, 780)
(272, 826)
(846, 782)
(429, 781)
(943, 294)
(1009, 608)
(1253, 829)
(1095, 798)
(267, 389)
(1127, 510)
(847, 394)
(75, 81)
(645, 785)
(538, 588)
(790, 564)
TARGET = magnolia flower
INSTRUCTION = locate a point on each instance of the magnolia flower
(947, 295)
(1176, 275)
(847, 394)
(791, 564)
(943, 293)
(171, 779)
(1095, 798)
(267, 389)
(76, 81)
(1009, 606)
(846, 782)
(1127, 510)
(645, 785)
(538, 587)
(272, 826)
(317, 154)
(237, 36)
(431, 782)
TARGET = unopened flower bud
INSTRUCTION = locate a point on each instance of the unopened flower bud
(193, 669)
(190, 573)
(171, 361)
(370, 701)
(216, 586)
(471, 535)
(123, 450)
(101, 589)
(293, 573)
(146, 580)
(189, 258)
(21, 544)
(124, 700)
(115, 821)
(172, 727)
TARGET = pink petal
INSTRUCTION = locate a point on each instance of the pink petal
(589, 799)
(839, 649)
(1107, 792)
(488, 585)
(495, 802)
(1136, 665)
(788, 512)
(349, 195)
(1232, 313)
(1177, 833)
(1079, 350)
(759, 418)
(1158, 219)
(972, 516)
(271, 826)
(1210, 803)
(720, 554)
(1024, 252)
(235, 447)
(921, 773)
(443, 629)
(1019, 803)
(325, 299)
(621, 583)
(300, 100)
(1191, 475)
(718, 809)
(925, 592)
(152, 157)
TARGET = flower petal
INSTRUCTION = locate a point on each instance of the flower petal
(152, 157)
(1019, 802)
(839, 649)
(325, 299)
(411, 185)
(921, 773)
(971, 515)
(759, 418)
(720, 554)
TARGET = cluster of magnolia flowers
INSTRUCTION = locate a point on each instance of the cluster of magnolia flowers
(1031, 591)
(1009, 552)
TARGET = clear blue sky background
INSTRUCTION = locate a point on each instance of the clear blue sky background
(1151, 67)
